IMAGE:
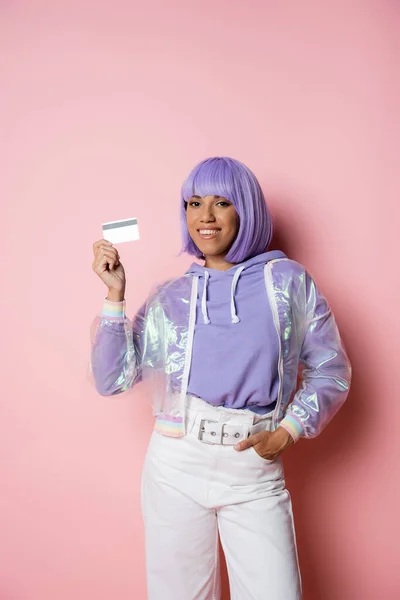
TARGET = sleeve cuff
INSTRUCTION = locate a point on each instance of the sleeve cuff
(292, 426)
(113, 310)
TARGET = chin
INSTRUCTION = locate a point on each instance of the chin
(211, 252)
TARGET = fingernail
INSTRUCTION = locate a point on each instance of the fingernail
(237, 447)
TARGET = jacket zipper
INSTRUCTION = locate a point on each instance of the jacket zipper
(275, 315)
(189, 349)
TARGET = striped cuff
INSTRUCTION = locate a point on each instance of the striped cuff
(168, 425)
(113, 310)
(292, 426)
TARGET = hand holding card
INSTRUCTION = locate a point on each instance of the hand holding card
(107, 265)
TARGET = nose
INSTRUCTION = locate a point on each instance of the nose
(207, 215)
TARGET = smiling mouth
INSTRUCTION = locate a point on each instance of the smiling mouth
(208, 233)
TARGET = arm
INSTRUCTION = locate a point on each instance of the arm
(116, 348)
(326, 375)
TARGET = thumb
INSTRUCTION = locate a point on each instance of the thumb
(251, 441)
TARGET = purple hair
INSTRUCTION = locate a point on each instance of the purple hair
(231, 179)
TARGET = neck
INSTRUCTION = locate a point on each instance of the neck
(218, 262)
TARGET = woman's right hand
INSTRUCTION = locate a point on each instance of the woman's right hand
(108, 267)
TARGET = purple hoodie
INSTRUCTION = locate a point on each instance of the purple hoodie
(236, 345)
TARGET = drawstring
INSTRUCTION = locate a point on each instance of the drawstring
(235, 318)
(204, 299)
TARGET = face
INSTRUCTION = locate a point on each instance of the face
(213, 224)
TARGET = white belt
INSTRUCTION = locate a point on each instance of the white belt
(214, 432)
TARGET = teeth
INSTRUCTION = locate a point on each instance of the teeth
(208, 231)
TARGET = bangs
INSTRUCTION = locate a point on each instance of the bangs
(209, 178)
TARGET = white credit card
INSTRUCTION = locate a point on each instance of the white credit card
(126, 230)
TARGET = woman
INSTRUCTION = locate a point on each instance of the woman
(221, 347)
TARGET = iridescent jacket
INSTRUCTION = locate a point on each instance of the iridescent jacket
(157, 348)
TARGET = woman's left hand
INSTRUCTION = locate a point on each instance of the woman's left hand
(268, 444)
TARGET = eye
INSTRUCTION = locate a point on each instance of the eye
(194, 203)
(224, 203)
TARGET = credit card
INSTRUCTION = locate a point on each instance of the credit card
(116, 232)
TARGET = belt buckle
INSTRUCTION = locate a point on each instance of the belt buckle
(201, 429)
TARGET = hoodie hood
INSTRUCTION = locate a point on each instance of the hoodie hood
(227, 280)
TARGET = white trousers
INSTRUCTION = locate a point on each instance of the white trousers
(194, 492)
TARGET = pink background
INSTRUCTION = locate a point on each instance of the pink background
(104, 108)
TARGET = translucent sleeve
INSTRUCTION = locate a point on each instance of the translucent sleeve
(116, 348)
(326, 373)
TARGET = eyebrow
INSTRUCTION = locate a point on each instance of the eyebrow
(194, 196)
